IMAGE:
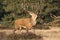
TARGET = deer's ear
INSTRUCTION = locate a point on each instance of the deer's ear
(37, 13)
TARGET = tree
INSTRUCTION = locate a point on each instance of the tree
(13, 9)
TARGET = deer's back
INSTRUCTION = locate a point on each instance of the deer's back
(23, 22)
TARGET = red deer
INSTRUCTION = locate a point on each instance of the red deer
(25, 22)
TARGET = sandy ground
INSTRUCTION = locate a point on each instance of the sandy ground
(50, 34)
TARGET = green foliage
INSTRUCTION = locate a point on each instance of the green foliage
(8, 20)
(14, 9)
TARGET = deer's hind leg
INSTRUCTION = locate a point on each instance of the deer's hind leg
(27, 30)
(15, 28)
(20, 28)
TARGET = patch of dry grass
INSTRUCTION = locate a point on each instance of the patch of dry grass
(22, 36)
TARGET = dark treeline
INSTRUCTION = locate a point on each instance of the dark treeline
(14, 9)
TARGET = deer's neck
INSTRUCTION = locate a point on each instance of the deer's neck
(33, 20)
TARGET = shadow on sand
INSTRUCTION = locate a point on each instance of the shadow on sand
(22, 36)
